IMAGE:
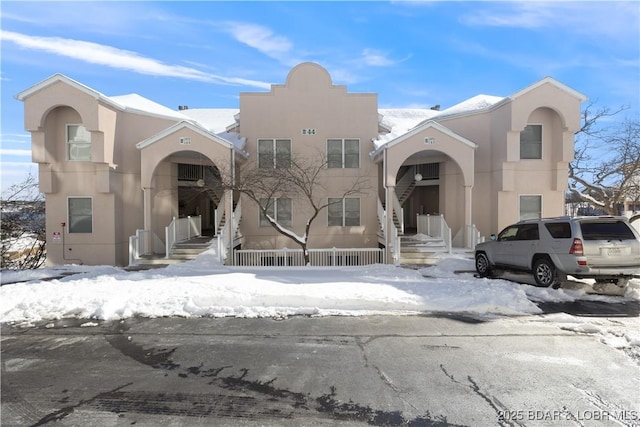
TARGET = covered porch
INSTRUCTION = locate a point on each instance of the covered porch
(425, 196)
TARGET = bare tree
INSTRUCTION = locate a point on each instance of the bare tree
(23, 226)
(606, 168)
(298, 178)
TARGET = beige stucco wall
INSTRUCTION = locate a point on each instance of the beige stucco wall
(501, 177)
(478, 151)
(309, 100)
(111, 178)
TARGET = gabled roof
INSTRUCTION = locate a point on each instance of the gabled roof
(68, 81)
(194, 127)
(551, 81)
(423, 126)
(132, 103)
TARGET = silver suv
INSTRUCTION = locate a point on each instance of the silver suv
(606, 249)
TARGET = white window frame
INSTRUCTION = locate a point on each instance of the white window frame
(70, 222)
(343, 217)
(343, 153)
(264, 222)
(539, 196)
(69, 144)
(274, 147)
(541, 142)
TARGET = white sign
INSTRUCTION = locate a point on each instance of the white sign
(57, 237)
(430, 140)
(308, 131)
(185, 140)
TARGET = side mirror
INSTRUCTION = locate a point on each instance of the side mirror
(492, 237)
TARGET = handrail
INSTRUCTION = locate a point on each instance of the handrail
(399, 211)
(218, 215)
(406, 180)
(138, 245)
(181, 229)
(382, 218)
(223, 238)
(435, 226)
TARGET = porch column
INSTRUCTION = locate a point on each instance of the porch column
(147, 216)
(389, 226)
(467, 215)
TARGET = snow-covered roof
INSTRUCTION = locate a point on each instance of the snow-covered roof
(134, 102)
(477, 103)
(215, 119)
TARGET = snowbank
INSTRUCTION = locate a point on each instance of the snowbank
(203, 287)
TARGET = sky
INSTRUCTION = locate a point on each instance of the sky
(413, 54)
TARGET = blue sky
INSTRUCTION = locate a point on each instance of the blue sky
(413, 54)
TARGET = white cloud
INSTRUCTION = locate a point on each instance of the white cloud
(611, 20)
(263, 40)
(260, 38)
(376, 58)
(109, 56)
(14, 152)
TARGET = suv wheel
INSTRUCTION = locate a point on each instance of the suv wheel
(483, 266)
(545, 273)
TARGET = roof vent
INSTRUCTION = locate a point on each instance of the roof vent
(183, 107)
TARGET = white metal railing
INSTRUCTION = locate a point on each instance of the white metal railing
(181, 229)
(223, 239)
(399, 212)
(317, 257)
(394, 238)
(474, 236)
(406, 181)
(382, 218)
(218, 215)
(435, 226)
(138, 246)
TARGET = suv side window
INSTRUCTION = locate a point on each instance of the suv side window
(528, 232)
(609, 230)
(508, 233)
(559, 230)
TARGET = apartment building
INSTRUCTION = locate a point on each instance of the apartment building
(111, 166)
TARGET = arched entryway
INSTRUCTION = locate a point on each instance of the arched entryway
(182, 174)
(429, 171)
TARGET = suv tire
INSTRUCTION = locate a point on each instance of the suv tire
(545, 273)
(483, 266)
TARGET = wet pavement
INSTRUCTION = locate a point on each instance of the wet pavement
(436, 370)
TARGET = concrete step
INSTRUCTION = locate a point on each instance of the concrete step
(417, 262)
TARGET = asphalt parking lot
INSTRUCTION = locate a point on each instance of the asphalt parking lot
(432, 370)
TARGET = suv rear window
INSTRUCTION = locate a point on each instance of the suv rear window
(609, 230)
(559, 230)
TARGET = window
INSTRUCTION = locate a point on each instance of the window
(531, 142)
(508, 233)
(559, 230)
(616, 230)
(528, 232)
(344, 212)
(78, 143)
(278, 209)
(530, 207)
(80, 215)
(343, 153)
(274, 153)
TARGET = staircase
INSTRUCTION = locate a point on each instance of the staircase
(182, 252)
(420, 251)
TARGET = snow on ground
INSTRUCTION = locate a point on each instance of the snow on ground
(203, 287)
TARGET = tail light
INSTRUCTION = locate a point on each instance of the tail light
(576, 248)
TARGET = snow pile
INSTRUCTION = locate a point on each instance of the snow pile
(203, 287)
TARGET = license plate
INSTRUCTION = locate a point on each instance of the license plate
(614, 251)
